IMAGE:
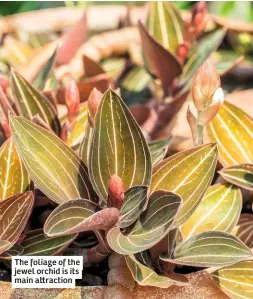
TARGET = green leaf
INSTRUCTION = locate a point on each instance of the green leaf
(200, 53)
(145, 276)
(236, 281)
(134, 87)
(86, 144)
(77, 216)
(30, 102)
(232, 129)
(188, 173)
(153, 224)
(210, 249)
(219, 209)
(14, 213)
(50, 163)
(134, 203)
(77, 133)
(36, 243)
(159, 60)
(113, 66)
(118, 147)
(244, 229)
(14, 178)
(15, 250)
(240, 175)
(166, 25)
(41, 77)
(158, 149)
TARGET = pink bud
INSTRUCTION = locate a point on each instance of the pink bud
(4, 83)
(93, 103)
(205, 82)
(72, 100)
(182, 51)
(199, 17)
(115, 192)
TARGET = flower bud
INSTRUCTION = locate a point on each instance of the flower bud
(115, 192)
(199, 17)
(93, 103)
(205, 82)
(4, 83)
(210, 112)
(182, 51)
(72, 100)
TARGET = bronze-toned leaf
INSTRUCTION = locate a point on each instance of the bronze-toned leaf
(209, 249)
(91, 67)
(135, 200)
(240, 175)
(30, 102)
(244, 229)
(236, 280)
(219, 209)
(37, 243)
(72, 40)
(166, 25)
(163, 64)
(153, 224)
(14, 213)
(77, 216)
(232, 129)
(14, 177)
(118, 147)
(188, 174)
(15, 250)
(50, 163)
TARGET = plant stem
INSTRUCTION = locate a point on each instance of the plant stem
(200, 133)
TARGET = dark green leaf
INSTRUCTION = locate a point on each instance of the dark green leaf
(240, 175)
(36, 243)
(118, 147)
(30, 102)
(50, 163)
(153, 224)
(188, 173)
(134, 203)
(210, 249)
(77, 216)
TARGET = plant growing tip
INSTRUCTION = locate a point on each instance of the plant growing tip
(115, 192)
(94, 100)
(72, 100)
(207, 98)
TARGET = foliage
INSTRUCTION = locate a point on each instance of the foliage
(101, 167)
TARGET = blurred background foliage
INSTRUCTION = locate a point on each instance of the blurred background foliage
(235, 9)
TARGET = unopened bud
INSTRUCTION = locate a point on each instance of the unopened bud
(115, 192)
(199, 17)
(182, 51)
(205, 82)
(72, 100)
(210, 112)
(93, 103)
(4, 83)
